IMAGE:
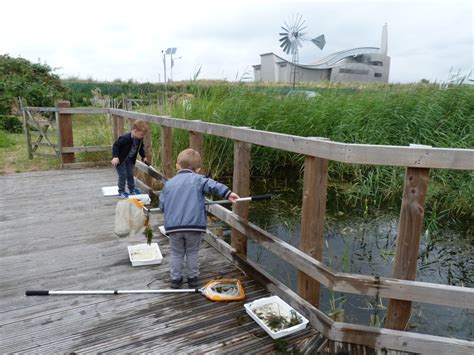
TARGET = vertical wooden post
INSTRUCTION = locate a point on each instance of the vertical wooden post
(26, 129)
(148, 152)
(241, 186)
(167, 151)
(196, 142)
(117, 126)
(65, 129)
(408, 241)
(312, 222)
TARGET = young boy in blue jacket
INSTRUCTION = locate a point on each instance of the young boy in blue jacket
(124, 155)
(182, 202)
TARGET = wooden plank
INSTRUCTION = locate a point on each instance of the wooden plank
(41, 144)
(87, 149)
(167, 151)
(150, 171)
(26, 130)
(147, 141)
(408, 241)
(312, 222)
(44, 155)
(416, 291)
(81, 110)
(88, 164)
(65, 129)
(241, 186)
(145, 188)
(441, 158)
(41, 109)
(346, 332)
(196, 142)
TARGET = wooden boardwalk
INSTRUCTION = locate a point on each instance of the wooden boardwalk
(56, 232)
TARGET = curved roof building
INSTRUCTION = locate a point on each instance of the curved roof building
(365, 64)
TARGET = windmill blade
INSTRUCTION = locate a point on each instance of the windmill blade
(285, 29)
(320, 41)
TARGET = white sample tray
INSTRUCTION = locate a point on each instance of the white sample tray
(274, 305)
(110, 191)
(163, 231)
(144, 254)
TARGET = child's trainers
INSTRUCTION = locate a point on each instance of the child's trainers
(176, 283)
(123, 195)
(193, 282)
(135, 191)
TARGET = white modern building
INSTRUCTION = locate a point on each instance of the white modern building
(365, 64)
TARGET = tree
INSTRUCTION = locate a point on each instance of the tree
(35, 82)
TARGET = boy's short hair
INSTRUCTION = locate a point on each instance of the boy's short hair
(140, 125)
(189, 159)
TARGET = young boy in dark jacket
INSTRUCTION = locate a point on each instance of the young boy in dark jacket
(124, 152)
(182, 201)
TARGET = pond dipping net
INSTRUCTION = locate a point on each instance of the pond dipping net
(224, 290)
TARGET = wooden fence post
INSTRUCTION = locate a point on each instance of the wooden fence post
(312, 222)
(147, 141)
(167, 151)
(65, 131)
(196, 142)
(241, 186)
(408, 242)
(117, 126)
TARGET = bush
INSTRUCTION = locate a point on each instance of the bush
(11, 124)
(33, 81)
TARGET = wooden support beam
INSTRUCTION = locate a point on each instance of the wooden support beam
(312, 222)
(167, 151)
(65, 129)
(241, 186)
(196, 142)
(117, 126)
(408, 242)
(148, 151)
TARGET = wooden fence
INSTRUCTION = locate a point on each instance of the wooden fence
(402, 289)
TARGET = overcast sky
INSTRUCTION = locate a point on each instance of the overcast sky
(106, 40)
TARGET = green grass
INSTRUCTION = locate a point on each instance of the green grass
(373, 114)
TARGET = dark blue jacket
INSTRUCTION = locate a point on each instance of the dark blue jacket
(182, 201)
(122, 147)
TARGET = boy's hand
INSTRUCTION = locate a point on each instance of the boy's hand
(145, 160)
(115, 161)
(232, 197)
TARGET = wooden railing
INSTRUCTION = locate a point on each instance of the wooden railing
(401, 290)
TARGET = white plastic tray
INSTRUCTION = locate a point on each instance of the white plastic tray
(163, 231)
(279, 307)
(110, 191)
(144, 254)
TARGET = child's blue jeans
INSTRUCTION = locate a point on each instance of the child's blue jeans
(125, 173)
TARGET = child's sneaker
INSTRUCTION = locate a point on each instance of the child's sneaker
(135, 191)
(176, 283)
(193, 282)
(123, 195)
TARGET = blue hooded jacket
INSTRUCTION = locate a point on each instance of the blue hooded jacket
(182, 201)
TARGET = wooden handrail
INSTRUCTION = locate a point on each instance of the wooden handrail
(384, 287)
(420, 157)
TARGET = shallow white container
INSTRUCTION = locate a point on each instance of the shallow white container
(110, 191)
(283, 308)
(144, 254)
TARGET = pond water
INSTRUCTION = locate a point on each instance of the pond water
(360, 244)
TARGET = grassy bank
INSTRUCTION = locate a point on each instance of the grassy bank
(385, 114)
